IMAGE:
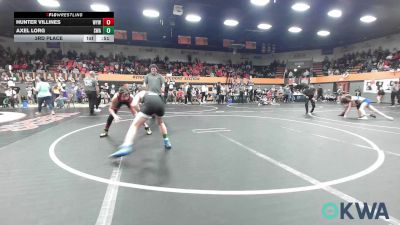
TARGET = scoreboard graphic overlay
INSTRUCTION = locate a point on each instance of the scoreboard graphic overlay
(63, 26)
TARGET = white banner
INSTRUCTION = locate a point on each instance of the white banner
(371, 86)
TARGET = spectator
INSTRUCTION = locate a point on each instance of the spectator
(43, 94)
(180, 96)
(10, 93)
(358, 92)
(204, 92)
(380, 95)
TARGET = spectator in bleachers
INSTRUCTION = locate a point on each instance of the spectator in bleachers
(29, 91)
(180, 96)
(10, 94)
(62, 98)
(290, 75)
(73, 63)
(79, 95)
(56, 90)
(60, 78)
(4, 77)
(28, 78)
(10, 82)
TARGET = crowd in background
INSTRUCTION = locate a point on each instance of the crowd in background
(71, 62)
(68, 92)
(231, 93)
(64, 72)
(363, 62)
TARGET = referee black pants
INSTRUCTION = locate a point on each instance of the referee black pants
(393, 95)
(310, 99)
(92, 97)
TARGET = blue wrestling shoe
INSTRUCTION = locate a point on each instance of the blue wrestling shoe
(167, 144)
(122, 151)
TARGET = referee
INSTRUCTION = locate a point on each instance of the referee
(310, 92)
(92, 90)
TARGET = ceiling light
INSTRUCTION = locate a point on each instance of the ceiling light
(99, 7)
(323, 33)
(259, 2)
(264, 26)
(151, 13)
(368, 19)
(300, 6)
(295, 29)
(336, 13)
(231, 22)
(49, 3)
(193, 18)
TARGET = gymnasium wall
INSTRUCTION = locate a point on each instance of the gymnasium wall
(326, 86)
(359, 85)
(390, 42)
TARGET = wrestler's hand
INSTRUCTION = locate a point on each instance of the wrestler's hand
(117, 119)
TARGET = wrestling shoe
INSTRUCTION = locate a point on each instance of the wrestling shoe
(148, 130)
(167, 144)
(122, 151)
(104, 134)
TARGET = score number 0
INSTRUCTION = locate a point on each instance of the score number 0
(108, 21)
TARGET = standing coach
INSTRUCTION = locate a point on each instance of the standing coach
(153, 81)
